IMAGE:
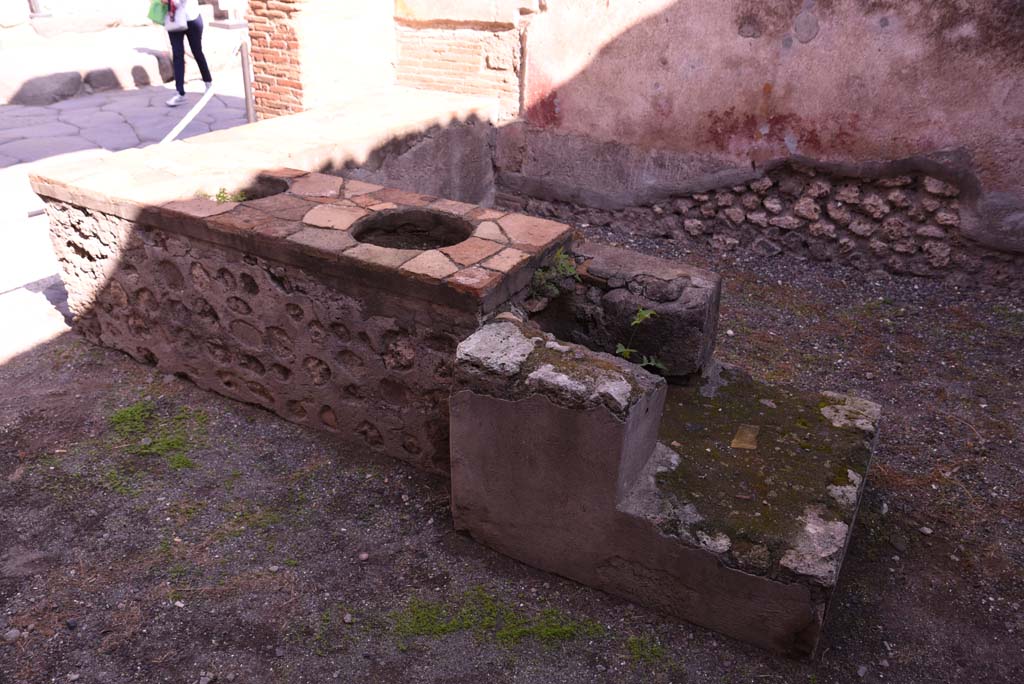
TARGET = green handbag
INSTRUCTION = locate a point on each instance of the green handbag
(157, 12)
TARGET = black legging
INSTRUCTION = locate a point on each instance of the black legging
(195, 41)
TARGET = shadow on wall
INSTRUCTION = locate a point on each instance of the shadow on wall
(705, 96)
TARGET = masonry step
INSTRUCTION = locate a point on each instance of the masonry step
(766, 477)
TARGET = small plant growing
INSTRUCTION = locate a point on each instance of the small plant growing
(223, 196)
(545, 280)
(627, 351)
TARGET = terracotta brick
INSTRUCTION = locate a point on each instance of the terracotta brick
(241, 219)
(282, 206)
(452, 207)
(432, 264)
(318, 241)
(507, 260)
(381, 257)
(318, 185)
(200, 207)
(278, 229)
(489, 230)
(354, 188)
(403, 197)
(474, 280)
(532, 232)
(333, 216)
(484, 214)
(471, 251)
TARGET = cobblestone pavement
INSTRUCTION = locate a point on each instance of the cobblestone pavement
(114, 120)
(32, 298)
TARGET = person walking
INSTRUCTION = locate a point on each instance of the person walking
(185, 21)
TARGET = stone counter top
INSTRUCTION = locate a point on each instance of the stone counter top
(294, 217)
(122, 183)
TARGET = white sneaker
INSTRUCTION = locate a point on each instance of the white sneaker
(176, 100)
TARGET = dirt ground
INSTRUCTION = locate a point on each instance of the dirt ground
(152, 532)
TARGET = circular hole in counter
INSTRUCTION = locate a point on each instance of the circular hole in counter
(420, 229)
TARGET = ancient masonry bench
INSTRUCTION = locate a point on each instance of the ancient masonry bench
(389, 318)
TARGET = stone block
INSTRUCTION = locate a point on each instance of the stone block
(615, 283)
(728, 521)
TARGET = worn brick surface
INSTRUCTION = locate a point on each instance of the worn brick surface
(531, 232)
(475, 280)
(507, 260)
(332, 216)
(317, 185)
(471, 251)
(433, 264)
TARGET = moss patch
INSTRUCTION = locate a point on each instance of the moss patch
(141, 429)
(489, 618)
(754, 496)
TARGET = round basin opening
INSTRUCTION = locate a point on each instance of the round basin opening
(412, 229)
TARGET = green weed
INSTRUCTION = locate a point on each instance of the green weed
(644, 651)
(489, 618)
(627, 351)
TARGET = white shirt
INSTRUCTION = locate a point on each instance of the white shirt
(189, 7)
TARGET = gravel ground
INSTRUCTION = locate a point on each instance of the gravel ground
(152, 532)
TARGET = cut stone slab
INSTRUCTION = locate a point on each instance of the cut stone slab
(46, 130)
(112, 136)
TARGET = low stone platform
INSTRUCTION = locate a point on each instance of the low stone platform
(765, 477)
(739, 524)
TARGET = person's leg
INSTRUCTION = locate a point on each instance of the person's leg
(178, 59)
(195, 41)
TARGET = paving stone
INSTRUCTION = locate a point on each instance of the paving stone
(25, 122)
(432, 263)
(40, 148)
(471, 251)
(91, 118)
(112, 137)
(318, 241)
(194, 128)
(384, 257)
(47, 130)
(317, 185)
(86, 102)
(332, 216)
(531, 231)
(222, 124)
(506, 260)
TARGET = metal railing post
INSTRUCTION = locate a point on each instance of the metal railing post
(250, 103)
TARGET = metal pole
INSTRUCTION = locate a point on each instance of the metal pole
(250, 104)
